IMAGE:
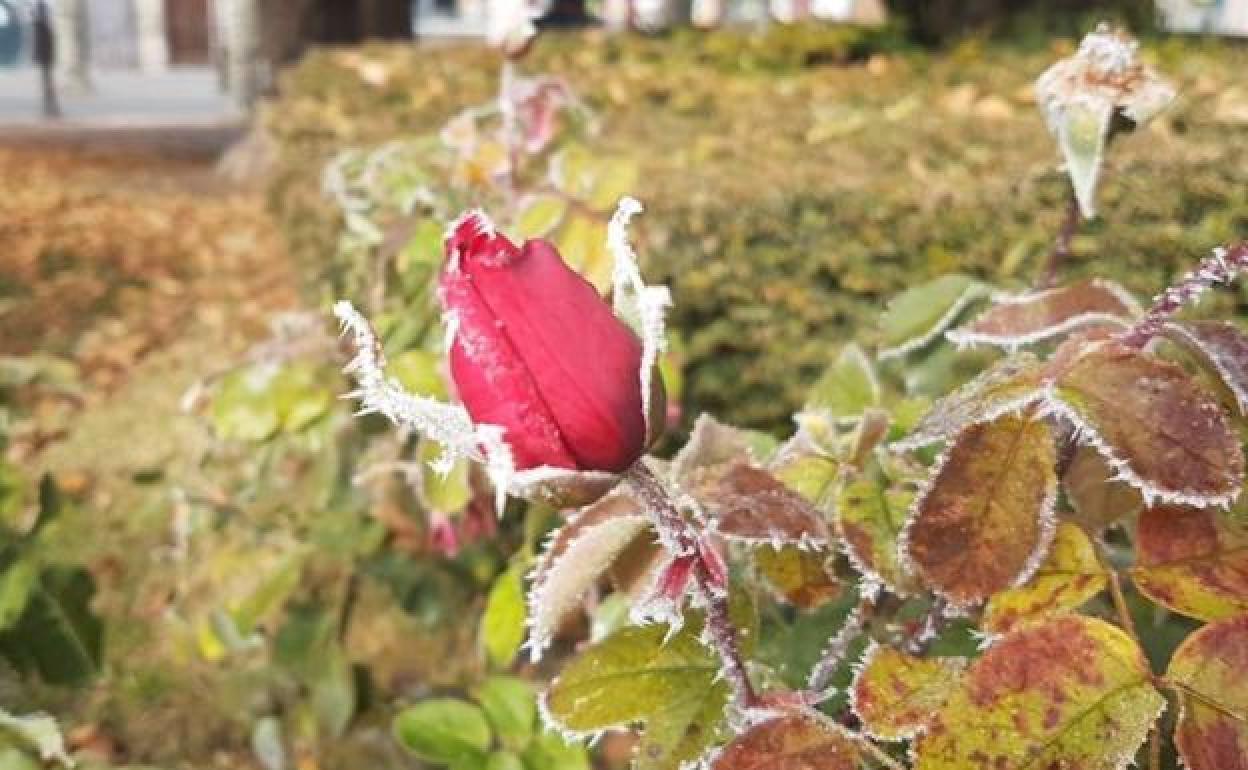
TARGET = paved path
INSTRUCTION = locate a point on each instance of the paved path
(181, 111)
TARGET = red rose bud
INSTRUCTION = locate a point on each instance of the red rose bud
(538, 352)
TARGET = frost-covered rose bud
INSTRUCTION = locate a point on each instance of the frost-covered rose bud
(537, 351)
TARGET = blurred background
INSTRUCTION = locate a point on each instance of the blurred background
(206, 561)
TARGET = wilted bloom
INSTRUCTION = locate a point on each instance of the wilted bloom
(1102, 86)
(537, 352)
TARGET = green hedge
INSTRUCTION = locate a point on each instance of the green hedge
(795, 181)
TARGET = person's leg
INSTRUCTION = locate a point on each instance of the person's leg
(51, 106)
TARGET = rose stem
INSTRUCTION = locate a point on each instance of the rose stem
(674, 528)
(1061, 245)
(1220, 267)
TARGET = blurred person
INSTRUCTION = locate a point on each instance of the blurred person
(45, 58)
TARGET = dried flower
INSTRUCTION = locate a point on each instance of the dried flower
(1081, 96)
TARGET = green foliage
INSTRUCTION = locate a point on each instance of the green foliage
(501, 733)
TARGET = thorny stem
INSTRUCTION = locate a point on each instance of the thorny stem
(1061, 246)
(675, 530)
(1219, 268)
(838, 646)
(935, 620)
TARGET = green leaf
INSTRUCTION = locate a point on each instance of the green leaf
(333, 691)
(446, 493)
(870, 514)
(419, 372)
(444, 730)
(917, 315)
(504, 760)
(56, 636)
(613, 179)
(582, 241)
(631, 677)
(40, 733)
(300, 395)
(511, 707)
(502, 624)
(424, 247)
(549, 751)
(848, 387)
(572, 172)
(539, 216)
(1073, 693)
(270, 594)
(244, 408)
(17, 582)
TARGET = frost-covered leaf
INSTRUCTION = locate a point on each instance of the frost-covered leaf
(800, 577)
(1071, 575)
(1222, 347)
(1031, 317)
(984, 521)
(797, 741)
(1007, 387)
(751, 505)
(1154, 424)
(1073, 693)
(812, 474)
(895, 694)
(577, 555)
(847, 387)
(870, 514)
(1098, 500)
(633, 677)
(711, 444)
(539, 215)
(1210, 669)
(1193, 560)
(503, 622)
(919, 314)
(444, 731)
(40, 732)
(1082, 131)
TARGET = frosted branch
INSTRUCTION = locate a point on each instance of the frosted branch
(1221, 267)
